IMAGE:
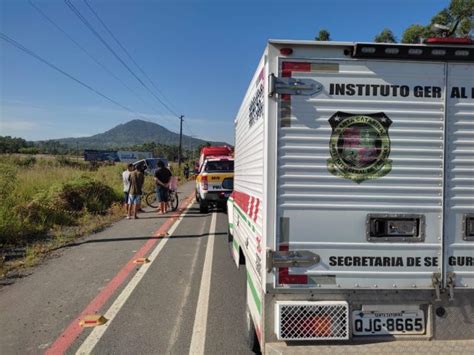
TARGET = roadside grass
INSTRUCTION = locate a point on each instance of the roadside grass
(47, 203)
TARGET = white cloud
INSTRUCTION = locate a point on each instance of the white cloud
(18, 125)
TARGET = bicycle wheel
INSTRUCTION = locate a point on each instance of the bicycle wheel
(151, 200)
(174, 200)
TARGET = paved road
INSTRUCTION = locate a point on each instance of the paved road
(158, 315)
(188, 299)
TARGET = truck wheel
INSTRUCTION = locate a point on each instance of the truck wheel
(223, 206)
(251, 334)
(230, 243)
(203, 206)
(241, 257)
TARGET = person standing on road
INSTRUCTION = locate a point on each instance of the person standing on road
(186, 171)
(162, 180)
(137, 179)
(126, 185)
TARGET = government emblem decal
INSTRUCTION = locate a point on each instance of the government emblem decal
(359, 146)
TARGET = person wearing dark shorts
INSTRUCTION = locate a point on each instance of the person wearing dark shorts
(162, 180)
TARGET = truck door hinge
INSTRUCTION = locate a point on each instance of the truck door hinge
(436, 280)
(293, 86)
(451, 278)
(292, 258)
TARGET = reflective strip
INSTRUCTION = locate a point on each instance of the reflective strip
(244, 217)
(256, 299)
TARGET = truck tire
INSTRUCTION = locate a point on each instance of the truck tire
(241, 257)
(230, 243)
(230, 237)
(223, 207)
(203, 206)
(251, 333)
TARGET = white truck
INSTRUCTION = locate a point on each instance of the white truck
(353, 202)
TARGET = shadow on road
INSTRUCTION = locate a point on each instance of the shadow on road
(190, 213)
(124, 239)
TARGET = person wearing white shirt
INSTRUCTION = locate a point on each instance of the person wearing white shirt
(126, 184)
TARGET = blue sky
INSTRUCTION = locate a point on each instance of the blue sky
(200, 53)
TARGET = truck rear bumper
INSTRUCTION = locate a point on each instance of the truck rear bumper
(448, 322)
(374, 347)
(216, 196)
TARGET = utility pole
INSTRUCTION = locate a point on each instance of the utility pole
(180, 141)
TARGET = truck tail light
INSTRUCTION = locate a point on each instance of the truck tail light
(204, 183)
(312, 320)
(284, 277)
(286, 51)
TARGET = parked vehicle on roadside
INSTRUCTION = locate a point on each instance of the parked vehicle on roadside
(353, 202)
(151, 164)
(215, 182)
(213, 151)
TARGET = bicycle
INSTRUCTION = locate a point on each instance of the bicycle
(173, 200)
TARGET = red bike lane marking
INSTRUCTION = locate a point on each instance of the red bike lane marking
(73, 330)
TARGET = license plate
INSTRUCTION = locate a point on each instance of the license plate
(386, 323)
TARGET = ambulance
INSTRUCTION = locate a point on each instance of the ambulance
(353, 203)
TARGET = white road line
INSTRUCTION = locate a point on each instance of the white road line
(179, 316)
(198, 339)
(91, 341)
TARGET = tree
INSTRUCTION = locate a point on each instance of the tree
(458, 17)
(28, 150)
(386, 36)
(461, 8)
(443, 17)
(323, 35)
(414, 34)
(12, 145)
(465, 28)
(462, 11)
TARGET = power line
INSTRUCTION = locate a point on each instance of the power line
(51, 65)
(50, 20)
(91, 28)
(109, 31)
(189, 129)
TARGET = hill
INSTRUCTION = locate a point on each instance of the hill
(134, 132)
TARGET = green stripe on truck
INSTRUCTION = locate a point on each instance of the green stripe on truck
(245, 217)
(253, 290)
(235, 245)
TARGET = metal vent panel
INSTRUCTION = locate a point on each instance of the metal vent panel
(312, 320)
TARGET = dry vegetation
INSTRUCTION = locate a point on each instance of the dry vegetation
(47, 203)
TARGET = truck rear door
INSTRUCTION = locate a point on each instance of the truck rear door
(360, 180)
(459, 193)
